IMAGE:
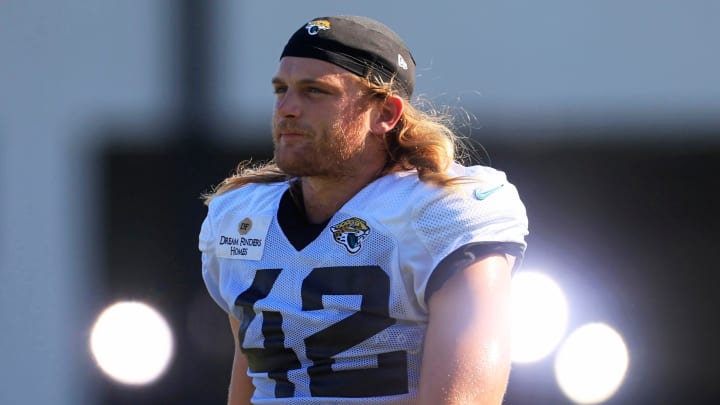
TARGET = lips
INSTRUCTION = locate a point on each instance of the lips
(291, 135)
(289, 130)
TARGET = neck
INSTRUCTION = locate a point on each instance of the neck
(324, 196)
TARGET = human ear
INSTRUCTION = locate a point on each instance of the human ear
(390, 110)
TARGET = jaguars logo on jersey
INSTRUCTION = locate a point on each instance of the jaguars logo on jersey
(351, 233)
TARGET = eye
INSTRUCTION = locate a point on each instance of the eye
(316, 90)
(279, 89)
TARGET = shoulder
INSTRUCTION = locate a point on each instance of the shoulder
(484, 187)
(251, 195)
(255, 201)
(481, 198)
(483, 205)
(473, 187)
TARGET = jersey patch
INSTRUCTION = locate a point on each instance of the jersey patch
(351, 233)
(243, 237)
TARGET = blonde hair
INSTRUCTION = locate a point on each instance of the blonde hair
(421, 140)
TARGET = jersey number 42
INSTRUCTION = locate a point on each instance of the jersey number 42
(373, 285)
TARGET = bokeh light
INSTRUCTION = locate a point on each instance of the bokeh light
(540, 313)
(132, 343)
(591, 364)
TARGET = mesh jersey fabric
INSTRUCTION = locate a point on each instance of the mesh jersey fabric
(342, 320)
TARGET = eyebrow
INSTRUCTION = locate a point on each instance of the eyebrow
(305, 82)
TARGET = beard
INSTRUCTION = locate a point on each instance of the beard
(328, 151)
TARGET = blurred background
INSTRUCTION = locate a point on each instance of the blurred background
(116, 115)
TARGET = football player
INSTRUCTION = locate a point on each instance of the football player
(363, 264)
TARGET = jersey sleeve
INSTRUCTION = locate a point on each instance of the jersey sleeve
(210, 264)
(467, 222)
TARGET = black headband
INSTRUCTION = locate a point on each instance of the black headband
(360, 45)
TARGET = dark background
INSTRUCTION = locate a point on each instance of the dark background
(628, 230)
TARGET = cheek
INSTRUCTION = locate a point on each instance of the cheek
(274, 119)
(348, 137)
(355, 117)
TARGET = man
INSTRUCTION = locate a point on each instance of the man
(362, 265)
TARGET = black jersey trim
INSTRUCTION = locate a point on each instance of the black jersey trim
(294, 224)
(467, 255)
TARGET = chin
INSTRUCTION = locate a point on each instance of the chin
(295, 168)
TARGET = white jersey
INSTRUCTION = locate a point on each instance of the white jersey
(336, 313)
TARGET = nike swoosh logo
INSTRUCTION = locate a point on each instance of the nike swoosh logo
(481, 195)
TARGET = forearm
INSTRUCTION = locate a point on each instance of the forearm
(241, 386)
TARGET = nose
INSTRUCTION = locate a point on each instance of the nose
(287, 105)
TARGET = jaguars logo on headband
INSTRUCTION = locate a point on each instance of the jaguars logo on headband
(351, 233)
(313, 27)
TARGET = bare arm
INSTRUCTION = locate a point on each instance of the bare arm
(466, 357)
(241, 386)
